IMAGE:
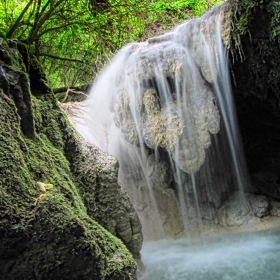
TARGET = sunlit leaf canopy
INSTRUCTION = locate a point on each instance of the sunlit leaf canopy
(73, 39)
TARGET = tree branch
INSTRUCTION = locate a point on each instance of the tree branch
(17, 23)
(43, 18)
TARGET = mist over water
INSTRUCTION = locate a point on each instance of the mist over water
(247, 256)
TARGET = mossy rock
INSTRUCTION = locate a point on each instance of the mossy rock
(52, 235)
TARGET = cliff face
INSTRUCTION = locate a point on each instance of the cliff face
(76, 225)
(256, 88)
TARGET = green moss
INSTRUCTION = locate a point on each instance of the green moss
(10, 56)
(46, 114)
(241, 13)
(237, 19)
(38, 81)
(48, 239)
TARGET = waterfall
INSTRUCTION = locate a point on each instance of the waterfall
(164, 109)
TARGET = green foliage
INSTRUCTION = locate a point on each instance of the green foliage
(244, 11)
(163, 15)
(181, 8)
(74, 39)
(237, 18)
(274, 9)
(3, 35)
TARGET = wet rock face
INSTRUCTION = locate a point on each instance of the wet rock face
(240, 208)
(15, 84)
(154, 200)
(275, 208)
(260, 205)
(256, 90)
(105, 199)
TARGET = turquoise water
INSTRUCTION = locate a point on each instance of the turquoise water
(244, 256)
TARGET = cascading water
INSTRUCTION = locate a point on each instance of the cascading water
(164, 109)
